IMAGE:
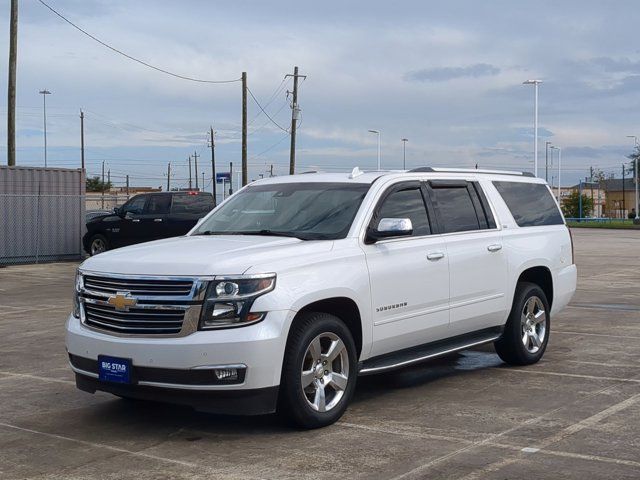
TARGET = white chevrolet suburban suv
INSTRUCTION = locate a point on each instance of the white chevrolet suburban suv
(294, 286)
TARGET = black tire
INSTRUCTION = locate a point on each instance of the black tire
(294, 402)
(96, 239)
(520, 327)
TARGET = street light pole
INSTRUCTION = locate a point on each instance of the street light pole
(44, 94)
(404, 153)
(535, 84)
(377, 132)
(635, 171)
(546, 161)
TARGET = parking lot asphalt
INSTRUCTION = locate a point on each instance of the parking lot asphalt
(574, 415)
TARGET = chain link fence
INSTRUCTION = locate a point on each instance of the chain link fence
(42, 215)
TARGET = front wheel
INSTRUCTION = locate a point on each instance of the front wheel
(526, 333)
(319, 371)
(98, 244)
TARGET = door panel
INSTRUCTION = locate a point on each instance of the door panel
(131, 228)
(410, 293)
(478, 280)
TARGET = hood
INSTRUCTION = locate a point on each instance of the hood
(203, 255)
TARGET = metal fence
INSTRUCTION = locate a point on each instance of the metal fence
(42, 215)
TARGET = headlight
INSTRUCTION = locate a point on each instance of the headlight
(229, 300)
(76, 290)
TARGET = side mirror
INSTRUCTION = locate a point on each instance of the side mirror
(391, 227)
(117, 211)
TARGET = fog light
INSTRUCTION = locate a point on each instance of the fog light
(226, 373)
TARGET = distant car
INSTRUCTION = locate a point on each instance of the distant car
(145, 217)
(91, 214)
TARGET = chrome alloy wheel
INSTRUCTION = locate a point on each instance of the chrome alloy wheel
(325, 372)
(533, 323)
(98, 246)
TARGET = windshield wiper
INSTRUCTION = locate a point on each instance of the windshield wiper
(266, 233)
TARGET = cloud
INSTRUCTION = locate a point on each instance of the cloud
(441, 74)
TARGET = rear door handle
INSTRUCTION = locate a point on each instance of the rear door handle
(435, 256)
(495, 247)
(136, 220)
(157, 219)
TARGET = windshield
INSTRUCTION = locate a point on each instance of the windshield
(309, 211)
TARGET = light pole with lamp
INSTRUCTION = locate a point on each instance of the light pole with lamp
(404, 153)
(377, 132)
(44, 94)
(535, 84)
(635, 171)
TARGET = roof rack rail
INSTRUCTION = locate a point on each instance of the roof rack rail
(469, 170)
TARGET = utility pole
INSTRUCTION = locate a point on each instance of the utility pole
(195, 158)
(244, 130)
(109, 178)
(169, 177)
(271, 171)
(230, 178)
(202, 181)
(546, 161)
(82, 139)
(595, 209)
(624, 203)
(213, 166)
(189, 172)
(295, 112)
(404, 153)
(11, 87)
(44, 93)
(102, 184)
(127, 186)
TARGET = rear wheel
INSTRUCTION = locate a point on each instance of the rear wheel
(98, 244)
(319, 371)
(527, 330)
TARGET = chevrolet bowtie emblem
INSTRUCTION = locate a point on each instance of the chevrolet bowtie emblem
(122, 301)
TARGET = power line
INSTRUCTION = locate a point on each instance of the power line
(120, 52)
(263, 111)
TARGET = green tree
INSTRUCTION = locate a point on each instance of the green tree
(635, 159)
(94, 184)
(571, 205)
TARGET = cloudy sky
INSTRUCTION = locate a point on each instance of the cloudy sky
(446, 75)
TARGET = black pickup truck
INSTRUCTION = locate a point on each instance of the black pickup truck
(145, 217)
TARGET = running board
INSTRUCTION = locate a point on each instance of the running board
(409, 356)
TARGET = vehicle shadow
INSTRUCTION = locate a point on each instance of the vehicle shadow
(190, 425)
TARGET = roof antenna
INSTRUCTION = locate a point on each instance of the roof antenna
(356, 172)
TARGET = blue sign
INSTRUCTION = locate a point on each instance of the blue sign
(112, 369)
(226, 176)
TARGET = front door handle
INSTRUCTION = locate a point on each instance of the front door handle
(495, 247)
(136, 220)
(157, 219)
(435, 256)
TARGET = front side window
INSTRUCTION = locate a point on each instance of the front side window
(135, 206)
(158, 204)
(531, 204)
(309, 211)
(456, 209)
(407, 204)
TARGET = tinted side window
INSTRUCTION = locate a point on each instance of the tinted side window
(531, 204)
(192, 204)
(158, 204)
(135, 206)
(456, 209)
(407, 204)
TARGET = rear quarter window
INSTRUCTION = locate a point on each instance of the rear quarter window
(531, 204)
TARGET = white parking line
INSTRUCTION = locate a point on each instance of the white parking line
(595, 334)
(562, 374)
(36, 377)
(602, 364)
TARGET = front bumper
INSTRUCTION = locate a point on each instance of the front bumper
(177, 364)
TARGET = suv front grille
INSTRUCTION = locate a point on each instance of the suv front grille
(140, 305)
(135, 320)
(109, 285)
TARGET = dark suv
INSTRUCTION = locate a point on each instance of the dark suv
(145, 217)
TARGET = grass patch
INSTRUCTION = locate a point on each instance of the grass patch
(615, 224)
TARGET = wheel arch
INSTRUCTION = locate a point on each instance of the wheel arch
(541, 276)
(345, 308)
